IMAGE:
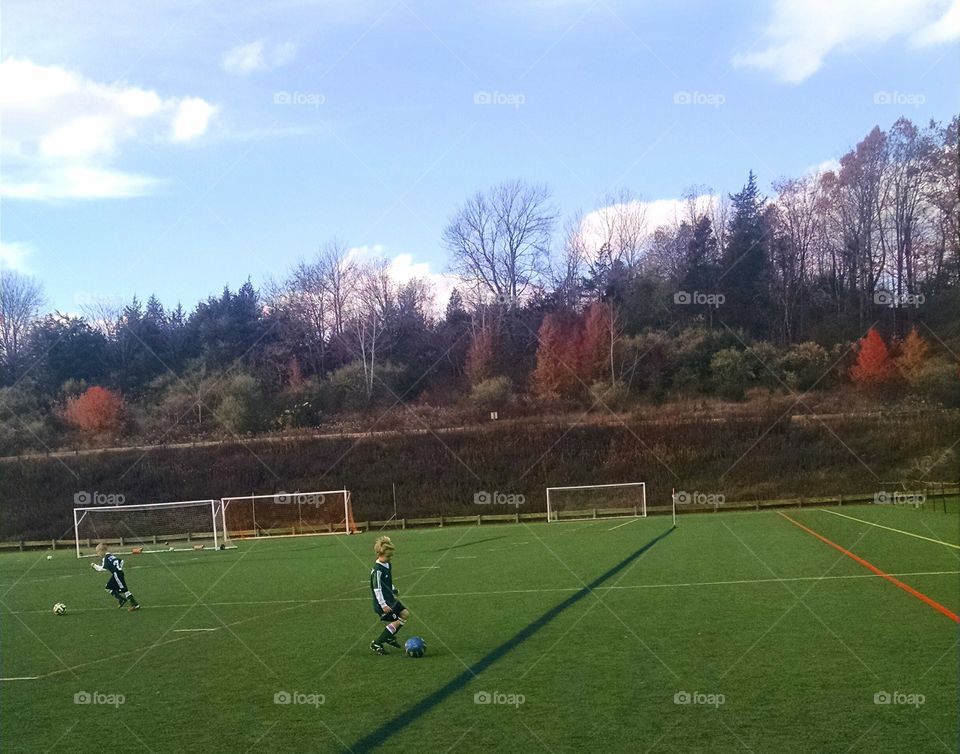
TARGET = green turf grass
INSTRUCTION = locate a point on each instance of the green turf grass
(796, 637)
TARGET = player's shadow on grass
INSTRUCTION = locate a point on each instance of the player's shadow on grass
(470, 544)
(380, 736)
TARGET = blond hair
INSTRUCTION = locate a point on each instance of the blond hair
(382, 545)
(101, 549)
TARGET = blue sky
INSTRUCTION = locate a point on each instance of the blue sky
(181, 147)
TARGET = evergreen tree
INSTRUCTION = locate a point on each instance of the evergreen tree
(745, 262)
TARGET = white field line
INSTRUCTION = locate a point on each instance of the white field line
(890, 528)
(495, 593)
(294, 604)
(152, 646)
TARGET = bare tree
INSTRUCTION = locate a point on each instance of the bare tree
(372, 306)
(796, 212)
(500, 239)
(566, 272)
(20, 300)
(105, 313)
(943, 196)
(622, 227)
(907, 172)
(318, 293)
(340, 273)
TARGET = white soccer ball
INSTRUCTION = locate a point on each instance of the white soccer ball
(49, 557)
(59, 608)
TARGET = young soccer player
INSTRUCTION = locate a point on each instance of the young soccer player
(385, 597)
(117, 585)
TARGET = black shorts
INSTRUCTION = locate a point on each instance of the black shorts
(116, 583)
(394, 614)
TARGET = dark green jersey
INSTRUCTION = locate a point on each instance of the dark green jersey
(381, 585)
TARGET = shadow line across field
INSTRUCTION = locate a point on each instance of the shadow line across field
(379, 736)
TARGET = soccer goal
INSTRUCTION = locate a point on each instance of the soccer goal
(287, 514)
(596, 501)
(152, 527)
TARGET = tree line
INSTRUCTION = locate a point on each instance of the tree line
(741, 291)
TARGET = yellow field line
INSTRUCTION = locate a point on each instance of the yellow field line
(890, 528)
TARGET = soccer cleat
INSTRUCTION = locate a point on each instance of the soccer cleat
(378, 648)
(132, 608)
(392, 642)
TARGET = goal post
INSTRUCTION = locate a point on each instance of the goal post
(287, 514)
(596, 501)
(156, 527)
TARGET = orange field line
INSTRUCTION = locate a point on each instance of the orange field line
(906, 587)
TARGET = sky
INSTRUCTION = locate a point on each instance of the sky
(173, 148)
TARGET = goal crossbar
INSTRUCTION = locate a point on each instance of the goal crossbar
(207, 522)
(276, 517)
(639, 509)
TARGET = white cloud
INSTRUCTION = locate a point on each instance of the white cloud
(947, 29)
(655, 214)
(62, 132)
(255, 56)
(78, 182)
(192, 118)
(802, 33)
(830, 165)
(594, 227)
(13, 256)
(402, 269)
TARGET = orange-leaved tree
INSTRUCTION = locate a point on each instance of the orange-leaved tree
(560, 342)
(874, 369)
(599, 338)
(98, 410)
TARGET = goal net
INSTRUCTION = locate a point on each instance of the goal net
(287, 514)
(155, 527)
(596, 501)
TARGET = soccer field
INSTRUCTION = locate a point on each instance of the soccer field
(730, 632)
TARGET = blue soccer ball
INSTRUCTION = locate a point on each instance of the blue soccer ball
(415, 647)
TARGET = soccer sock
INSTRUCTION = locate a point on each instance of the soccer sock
(385, 634)
(133, 600)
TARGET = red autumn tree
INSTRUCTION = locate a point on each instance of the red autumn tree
(600, 333)
(875, 368)
(96, 411)
(558, 353)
